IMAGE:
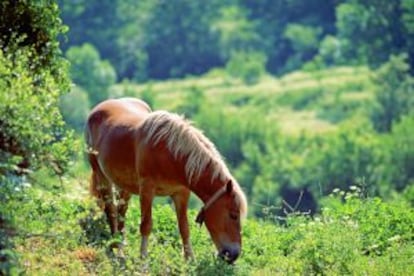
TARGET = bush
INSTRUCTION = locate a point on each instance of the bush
(399, 155)
(34, 75)
(394, 93)
(90, 72)
(74, 107)
(193, 102)
(330, 51)
(380, 224)
(248, 66)
(353, 235)
(304, 40)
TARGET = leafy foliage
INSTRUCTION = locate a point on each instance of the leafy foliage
(90, 72)
(151, 39)
(121, 44)
(237, 34)
(290, 141)
(399, 142)
(33, 76)
(369, 32)
(304, 41)
(249, 66)
(74, 107)
(395, 92)
(34, 27)
(353, 235)
(251, 127)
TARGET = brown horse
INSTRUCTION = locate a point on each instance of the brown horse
(135, 151)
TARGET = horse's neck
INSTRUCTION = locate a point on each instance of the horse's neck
(204, 188)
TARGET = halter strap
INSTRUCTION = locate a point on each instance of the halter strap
(201, 214)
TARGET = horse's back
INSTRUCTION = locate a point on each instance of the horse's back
(110, 134)
(118, 111)
(115, 114)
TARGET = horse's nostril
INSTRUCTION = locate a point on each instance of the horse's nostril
(229, 255)
(226, 254)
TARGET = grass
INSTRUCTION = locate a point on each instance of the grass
(51, 226)
(60, 231)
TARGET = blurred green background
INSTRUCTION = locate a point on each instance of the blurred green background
(297, 95)
(302, 98)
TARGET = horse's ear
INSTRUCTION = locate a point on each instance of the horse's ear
(229, 187)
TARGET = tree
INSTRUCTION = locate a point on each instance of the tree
(401, 153)
(179, 45)
(370, 31)
(394, 93)
(74, 107)
(407, 17)
(90, 72)
(33, 75)
(114, 27)
(305, 42)
(236, 32)
(272, 19)
(249, 66)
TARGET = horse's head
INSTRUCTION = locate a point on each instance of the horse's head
(222, 215)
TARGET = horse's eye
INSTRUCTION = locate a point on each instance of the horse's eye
(234, 216)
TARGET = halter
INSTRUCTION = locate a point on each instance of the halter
(201, 214)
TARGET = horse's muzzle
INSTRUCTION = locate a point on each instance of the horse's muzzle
(229, 255)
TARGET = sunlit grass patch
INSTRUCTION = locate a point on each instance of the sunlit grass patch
(299, 90)
(357, 235)
(295, 122)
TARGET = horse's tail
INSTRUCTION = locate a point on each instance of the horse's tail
(94, 182)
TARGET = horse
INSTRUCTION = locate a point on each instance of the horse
(134, 150)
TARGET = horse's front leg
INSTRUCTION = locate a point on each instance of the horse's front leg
(181, 203)
(146, 198)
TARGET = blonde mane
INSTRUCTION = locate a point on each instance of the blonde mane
(184, 140)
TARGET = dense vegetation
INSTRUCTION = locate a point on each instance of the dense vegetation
(163, 39)
(33, 75)
(64, 233)
(308, 102)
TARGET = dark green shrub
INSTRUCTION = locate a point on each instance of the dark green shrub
(90, 72)
(399, 155)
(194, 99)
(394, 93)
(248, 66)
(33, 76)
(74, 107)
(380, 224)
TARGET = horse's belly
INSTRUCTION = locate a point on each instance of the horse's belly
(168, 189)
(126, 181)
(116, 157)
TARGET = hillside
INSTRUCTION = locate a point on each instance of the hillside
(296, 101)
(54, 227)
(308, 102)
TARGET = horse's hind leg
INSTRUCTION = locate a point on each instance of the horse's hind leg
(123, 201)
(102, 189)
(110, 209)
